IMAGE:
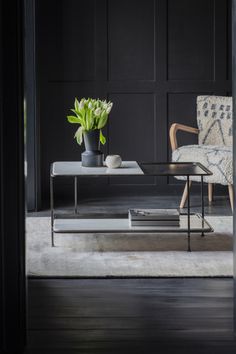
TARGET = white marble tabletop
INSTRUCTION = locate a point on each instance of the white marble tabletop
(74, 168)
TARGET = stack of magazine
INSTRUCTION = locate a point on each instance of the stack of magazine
(154, 217)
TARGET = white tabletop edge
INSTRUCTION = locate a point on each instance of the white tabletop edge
(74, 168)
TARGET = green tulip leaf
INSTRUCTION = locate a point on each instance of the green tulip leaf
(102, 138)
(102, 121)
(74, 120)
(76, 104)
(79, 135)
(90, 119)
(78, 114)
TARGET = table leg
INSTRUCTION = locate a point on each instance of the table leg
(202, 197)
(76, 194)
(189, 245)
(52, 210)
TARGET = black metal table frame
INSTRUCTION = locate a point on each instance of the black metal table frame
(208, 173)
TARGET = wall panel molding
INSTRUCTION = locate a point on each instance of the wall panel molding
(129, 40)
(151, 48)
(191, 40)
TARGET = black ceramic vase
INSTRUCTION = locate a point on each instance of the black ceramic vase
(92, 156)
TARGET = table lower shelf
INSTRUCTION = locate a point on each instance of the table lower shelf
(116, 225)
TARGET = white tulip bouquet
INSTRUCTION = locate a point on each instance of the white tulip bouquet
(90, 114)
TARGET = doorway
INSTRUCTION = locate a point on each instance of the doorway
(230, 343)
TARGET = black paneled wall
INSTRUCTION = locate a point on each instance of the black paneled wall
(150, 57)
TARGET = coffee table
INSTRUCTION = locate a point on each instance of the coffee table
(189, 222)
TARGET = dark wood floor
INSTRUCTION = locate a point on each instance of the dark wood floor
(131, 316)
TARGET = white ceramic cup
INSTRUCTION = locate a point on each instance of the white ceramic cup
(113, 161)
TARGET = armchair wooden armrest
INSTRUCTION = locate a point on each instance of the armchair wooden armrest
(173, 132)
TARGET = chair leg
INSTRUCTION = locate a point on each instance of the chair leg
(231, 196)
(210, 192)
(185, 195)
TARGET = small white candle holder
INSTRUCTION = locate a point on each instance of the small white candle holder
(113, 161)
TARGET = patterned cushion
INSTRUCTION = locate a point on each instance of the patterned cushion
(214, 119)
(217, 159)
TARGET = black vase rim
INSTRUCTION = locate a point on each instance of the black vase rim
(91, 131)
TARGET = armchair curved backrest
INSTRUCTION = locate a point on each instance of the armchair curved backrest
(214, 119)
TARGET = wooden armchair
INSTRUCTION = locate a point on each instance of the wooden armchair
(214, 149)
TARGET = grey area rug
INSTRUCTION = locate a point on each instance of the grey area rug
(107, 255)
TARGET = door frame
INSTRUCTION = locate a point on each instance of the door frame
(234, 141)
(33, 191)
(12, 206)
